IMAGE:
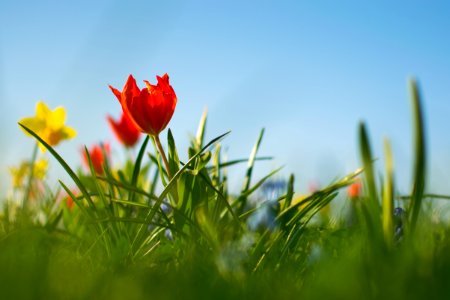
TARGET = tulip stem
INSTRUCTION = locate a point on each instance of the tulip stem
(163, 155)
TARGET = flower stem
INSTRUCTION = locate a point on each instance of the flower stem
(30, 177)
(163, 155)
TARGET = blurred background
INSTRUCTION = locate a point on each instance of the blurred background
(307, 71)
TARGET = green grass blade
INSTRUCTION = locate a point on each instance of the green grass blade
(171, 183)
(251, 162)
(178, 174)
(249, 191)
(345, 181)
(222, 198)
(137, 167)
(66, 167)
(370, 184)
(388, 195)
(201, 129)
(290, 192)
(94, 177)
(174, 161)
(126, 186)
(75, 199)
(238, 161)
(420, 154)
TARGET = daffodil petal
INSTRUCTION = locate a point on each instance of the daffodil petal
(34, 124)
(42, 110)
(42, 148)
(57, 118)
(69, 132)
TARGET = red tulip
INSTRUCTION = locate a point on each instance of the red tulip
(125, 130)
(150, 108)
(97, 158)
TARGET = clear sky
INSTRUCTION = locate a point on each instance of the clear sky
(307, 71)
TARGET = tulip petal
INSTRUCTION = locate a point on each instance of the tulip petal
(150, 86)
(151, 108)
(130, 90)
(117, 93)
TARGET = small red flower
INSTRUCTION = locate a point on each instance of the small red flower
(70, 203)
(125, 130)
(354, 190)
(150, 108)
(97, 158)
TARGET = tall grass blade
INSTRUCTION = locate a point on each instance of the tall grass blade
(137, 167)
(66, 167)
(373, 205)
(251, 162)
(418, 187)
(171, 183)
(388, 195)
(201, 129)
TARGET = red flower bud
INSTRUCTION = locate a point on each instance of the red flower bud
(70, 203)
(125, 130)
(354, 190)
(151, 108)
(97, 158)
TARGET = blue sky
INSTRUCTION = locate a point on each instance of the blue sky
(307, 71)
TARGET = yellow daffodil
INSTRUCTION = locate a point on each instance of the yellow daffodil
(22, 171)
(40, 168)
(49, 124)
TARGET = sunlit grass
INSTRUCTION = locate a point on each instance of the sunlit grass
(173, 229)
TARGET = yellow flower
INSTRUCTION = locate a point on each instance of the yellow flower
(22, 171)
(49, 125)
(40, 168)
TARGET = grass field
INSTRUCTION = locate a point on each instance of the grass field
(157, 227)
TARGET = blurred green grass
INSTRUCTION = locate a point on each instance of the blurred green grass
(142, 231)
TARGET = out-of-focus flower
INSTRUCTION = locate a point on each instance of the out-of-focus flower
(399, 216)
(49, 125)
(70, 203)
(97, 158)
(150, 108)
(354, 190)
(168, 234)
(22, 171)
(273, 189)
(125, 130)
(19, 173)
(267, 205)
(313, 187)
